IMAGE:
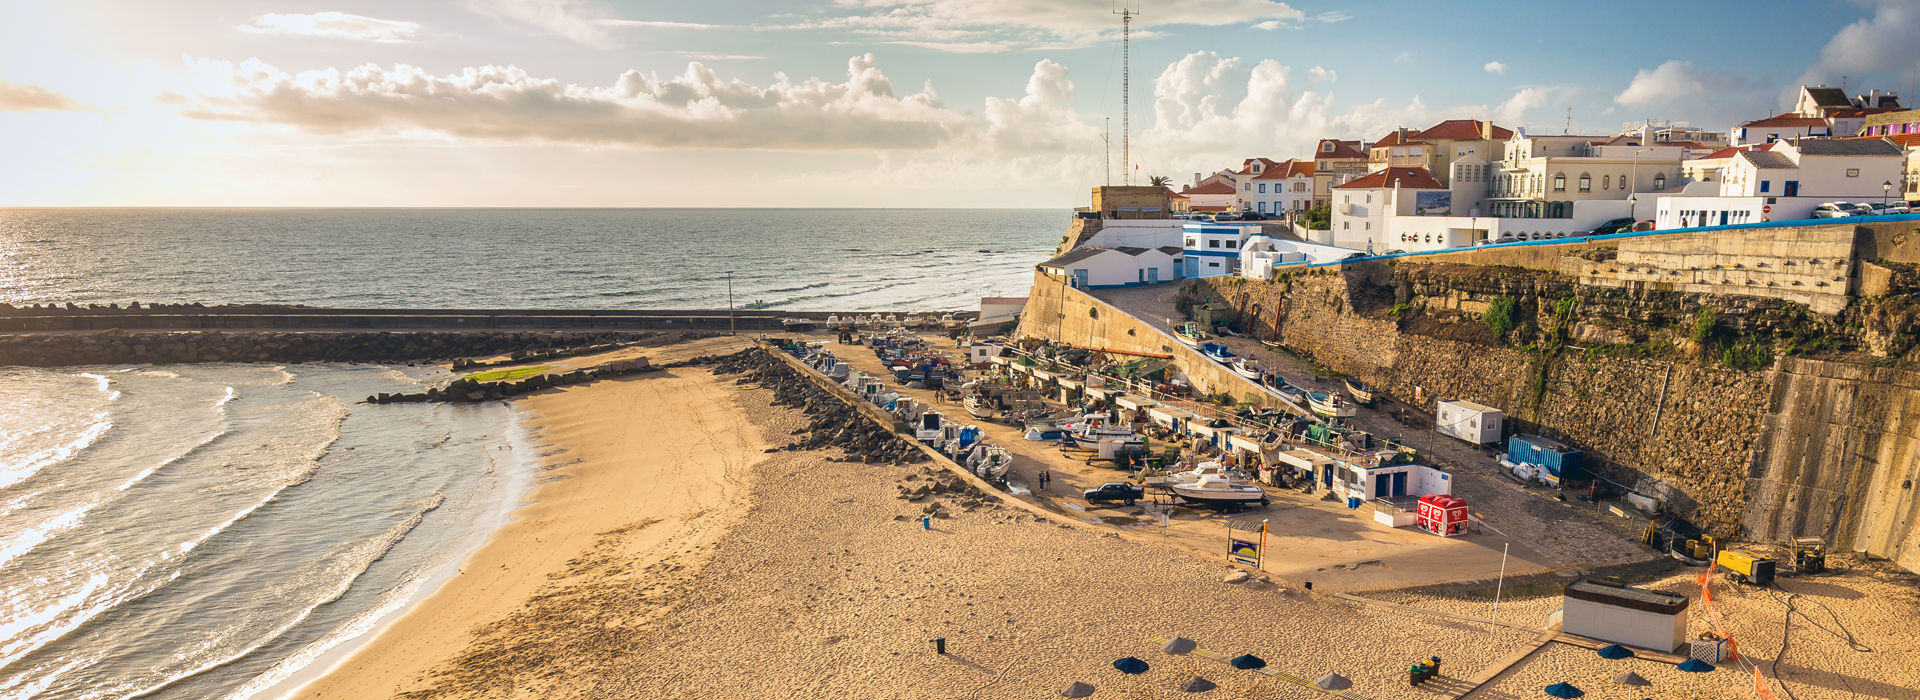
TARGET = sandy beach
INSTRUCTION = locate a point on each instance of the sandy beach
(668, 554)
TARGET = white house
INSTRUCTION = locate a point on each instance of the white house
(1280, 188)
(1216, 196)
(1361, 207)
(1780, 128)
(1001, 309)
(1468, 421)
(1212, 250)
(1137, 233)
(1788, 180)
(1113, 268)
(1261, 256)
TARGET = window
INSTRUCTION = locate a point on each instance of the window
(1263, 207)
(1660, 181)
(1606, 182)
(1586, 182)
(1231, 244)
(1369, 198)
(1346, 225)
(1766, 185)
(1213, 243)
(1247, 186)
(1326, 147)
(1853, 172)
(1213, 264)
(1560, 182)
(1193, 243)
(1369, 226)
(1263, 188)
(1346, 199)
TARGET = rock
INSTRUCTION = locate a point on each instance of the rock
(1236, 577)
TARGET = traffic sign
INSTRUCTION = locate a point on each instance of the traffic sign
(1766, 209)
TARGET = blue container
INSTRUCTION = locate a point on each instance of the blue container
(1560, 460)
(1353, 504)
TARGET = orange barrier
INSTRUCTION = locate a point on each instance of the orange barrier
(1733, 646)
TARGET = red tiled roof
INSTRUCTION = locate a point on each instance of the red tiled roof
(1246, 166)
(1215, 187)
(1787, 120)
(1727, 152)
(1461, 129)
(1290, 168)
(1406, 178)
(1341, 149)
(1905, 140)
(1393, 139)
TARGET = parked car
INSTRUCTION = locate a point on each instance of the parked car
(1643, 225)
(1863, 209)
(1115, 492)
(1620, 225)
(1899, 208)
(1253, 216)
(1833, 210)
(1351, 256)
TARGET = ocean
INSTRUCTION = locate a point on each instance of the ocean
(210, 531)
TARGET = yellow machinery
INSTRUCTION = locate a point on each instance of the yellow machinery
(1703, 547)
(1746, 565)
(1809, 555)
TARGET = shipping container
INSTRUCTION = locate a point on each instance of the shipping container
(1561, 461)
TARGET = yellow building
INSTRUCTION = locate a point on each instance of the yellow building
(1132, 202)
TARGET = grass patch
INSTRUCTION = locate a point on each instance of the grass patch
(500, 375)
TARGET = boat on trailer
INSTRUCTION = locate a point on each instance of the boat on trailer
(980, 407)
(927, 428)
(1330, 405)
(797, 324)
(1362, 394)
(1218, 491)
(1246, 367)
(1190, 334)
(1218, 352)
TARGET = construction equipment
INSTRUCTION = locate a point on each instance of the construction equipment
(1808, 555)
(1669, 535)
(1703, 548)
(1747, 566)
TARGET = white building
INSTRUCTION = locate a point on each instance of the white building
(1280, 188)
(1211, 197)
(1212, 250)
(1786, 181)
(1361, 207)
(1114, 268)
(1781, 128)
(1001, 309)
(1468, 421)
(1262, 256)
(1136, 233)
(1543, 176)
(1630, 616)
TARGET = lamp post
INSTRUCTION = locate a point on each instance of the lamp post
(730, 327)
(1886, 189)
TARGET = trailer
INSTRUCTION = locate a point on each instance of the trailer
(1469, 421)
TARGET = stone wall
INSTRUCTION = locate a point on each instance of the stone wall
(65, 349)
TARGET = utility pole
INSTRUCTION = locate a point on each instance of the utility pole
(1127, 11)
(730, 327)
(1107, 138)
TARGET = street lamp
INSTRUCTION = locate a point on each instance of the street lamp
(730, 328)
(1886, 189)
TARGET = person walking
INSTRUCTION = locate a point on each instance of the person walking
(1043, 480)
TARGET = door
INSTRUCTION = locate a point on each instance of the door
(1380, 486)
(1142, 275)
(1399, 484)
(1153, 275)
(1792, 190)
(1080, 279)
(1193, 267)
(1723, 218)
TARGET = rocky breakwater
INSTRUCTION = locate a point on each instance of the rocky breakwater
(831, 421)
(119, 347)
(468, 389)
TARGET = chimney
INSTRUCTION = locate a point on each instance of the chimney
(1196, 179)
(1486, 130)
(1403, 134)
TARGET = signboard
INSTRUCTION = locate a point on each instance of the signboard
(1433, 203)
(1248, 549)
(1766, 209)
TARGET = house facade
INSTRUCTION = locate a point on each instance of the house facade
(1336, 162)
(1213, 250)
(1362, 208)
(1114, 268)
(1282, 188)
(1543, 176)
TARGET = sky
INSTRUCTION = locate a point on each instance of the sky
(841, 103)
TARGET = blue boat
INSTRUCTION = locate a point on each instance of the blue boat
(1217, 351)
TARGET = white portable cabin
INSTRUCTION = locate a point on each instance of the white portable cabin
(981, 353)
(1392, 481)
(1133, 408)
(1170, 418)
(1624, 615)
(1468, 421)
(1216, 436)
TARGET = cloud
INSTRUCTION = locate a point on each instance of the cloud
(1317, 74)
(1209, 108)
(1404, 57)
(1514, 110)
(1269, 25)
(1332, 16)
(578, 20)
(999, 25)
(1495, 67)
(334, 25)
(15, 97)
(1881, 44)
(695, 109)
(1704, 94)
(655, 24)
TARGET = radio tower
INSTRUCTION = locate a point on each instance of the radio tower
(1128, 8)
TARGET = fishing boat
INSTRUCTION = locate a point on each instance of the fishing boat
(911, 321)
(980, 407)
(1043, 431)
(1362, 394)
(1190, 334)
(797, 324)
(1220, 492)
(1194, 475)
(862, 321)
(948, 321)
(989, 461)
(927, 428)
(1330, 405)
(1246, 367)
(1217, 351)
(891, 321)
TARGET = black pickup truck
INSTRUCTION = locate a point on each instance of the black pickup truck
(1114, 491)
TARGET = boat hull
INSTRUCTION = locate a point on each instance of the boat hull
(1215, 497)
(1360, 393)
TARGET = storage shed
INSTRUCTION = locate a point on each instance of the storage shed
(1469, 421)
(1171, 418)
(1624, 615)
(1561, 461)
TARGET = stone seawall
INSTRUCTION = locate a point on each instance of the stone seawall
(65, 349)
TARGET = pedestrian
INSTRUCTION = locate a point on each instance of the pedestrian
(1043, 480)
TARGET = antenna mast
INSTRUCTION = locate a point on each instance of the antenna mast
(1107, 139)
(1127, 11)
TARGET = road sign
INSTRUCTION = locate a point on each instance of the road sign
(1766, 209)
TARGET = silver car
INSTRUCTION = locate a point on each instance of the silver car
(1833, 210)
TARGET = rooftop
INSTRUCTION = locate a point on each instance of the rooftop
(1341, 149)
(1290, 168)
(1768, 160)
(1215, 187)
(1787, 120)
(1462, 129)
(1408, 178)
(1073, 256)
(1848, 147)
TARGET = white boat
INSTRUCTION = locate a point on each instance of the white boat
(891, 321)
(1330, 405)
(989, 461)
(1190, 334)
(948, 321)
(911, 321)
(862, 321)
(927, 428)
(1248, 368)
(1193, 476)
(797, 324)
(1219, 491)
(1360, 391)
(980, 407)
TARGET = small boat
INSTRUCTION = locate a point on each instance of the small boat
(797, 324)
(891, 321)
(980, 407)
(1190, 334)
(989, 461)
(1217, 351)
(927, 428)
(1043, 431)
(1330, 405)
(1246, 367)
(911, 321)
(1362, 394)
(1194, 475)
(862, 322)
(948, 321)
(1219, 491)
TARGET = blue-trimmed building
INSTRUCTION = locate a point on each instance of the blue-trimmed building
(1213, 250)
(1114, 268)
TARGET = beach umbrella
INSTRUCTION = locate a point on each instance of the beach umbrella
(1178, 645)
(1077, 690)
(1333, 681)
(1197, 685)
(1248, 662)
(1131, 665)
(1615, 651)
(1564, 690)
(1631, 678)
(1696, 666)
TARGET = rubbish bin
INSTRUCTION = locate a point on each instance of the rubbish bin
(1353, 503)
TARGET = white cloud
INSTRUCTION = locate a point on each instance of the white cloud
(1332, 16)
(1269, 25)
(578, 20)
(15, 97)
(1882, 44)
(1317, 74)
(999, 25)
(1514, 110)
(335, 25)
(1208, 108)
(656, 24)
(1703, 94)
(695, 109)
(1495, 67)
